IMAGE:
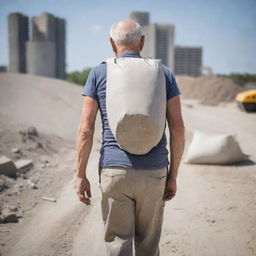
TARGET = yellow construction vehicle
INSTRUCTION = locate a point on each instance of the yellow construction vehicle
(247, 100)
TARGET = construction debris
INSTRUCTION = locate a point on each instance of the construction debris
(48, 198)
(16, 150)
(24, 165)
(7, 167)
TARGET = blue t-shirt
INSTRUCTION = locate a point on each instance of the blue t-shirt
(111, 154)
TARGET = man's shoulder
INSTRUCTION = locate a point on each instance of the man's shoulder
(99, 70)
(100, 66)
(167, 70)
(168, 73)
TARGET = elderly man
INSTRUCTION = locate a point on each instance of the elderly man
(134, 186)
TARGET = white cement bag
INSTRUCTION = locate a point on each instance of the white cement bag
(136, 102)
(214, 149)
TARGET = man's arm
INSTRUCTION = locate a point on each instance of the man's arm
(84, 145)
(177, 143)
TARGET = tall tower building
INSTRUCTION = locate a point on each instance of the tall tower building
(47, 44)
(159, 43)
(140, 17)
(60, 30)
(41, 54)
(44, 54)
(159, 39)
(188, 61)
(165, 44)
(41, 58)
(18, 35)
(43, 27)
(149, 49)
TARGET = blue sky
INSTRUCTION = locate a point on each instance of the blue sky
(226, 29)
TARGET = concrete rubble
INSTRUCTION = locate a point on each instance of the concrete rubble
(7, 167)
(10, 169)
(16, 150)
(5, 182)
(24, 165)
(10, 214)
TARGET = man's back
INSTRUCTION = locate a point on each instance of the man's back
(111, 154)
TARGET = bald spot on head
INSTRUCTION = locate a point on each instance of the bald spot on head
(126, 32)
(125, 25)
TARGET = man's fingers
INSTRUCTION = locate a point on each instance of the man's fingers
(88, 193)
(83, 199)
(86, 200)
(169, 195)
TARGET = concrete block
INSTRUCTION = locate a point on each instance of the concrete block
(7, 167)
(16, 150)
(24, 165)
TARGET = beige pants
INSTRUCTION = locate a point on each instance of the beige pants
(132, 208)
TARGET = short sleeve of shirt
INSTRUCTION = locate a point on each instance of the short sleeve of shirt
(172, 88)
(90, 85)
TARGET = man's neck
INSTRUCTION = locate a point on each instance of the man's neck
(122, 50)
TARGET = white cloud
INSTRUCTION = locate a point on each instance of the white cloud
(95, 28)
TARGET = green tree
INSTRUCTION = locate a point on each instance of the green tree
(241, 79)
(78, 77)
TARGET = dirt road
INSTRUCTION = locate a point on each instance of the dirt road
(213, 213)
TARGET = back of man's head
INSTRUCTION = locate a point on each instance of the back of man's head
(126, 32)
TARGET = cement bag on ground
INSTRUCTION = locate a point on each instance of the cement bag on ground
(214, 149)
(136, 102)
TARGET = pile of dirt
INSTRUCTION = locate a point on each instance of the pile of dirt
(51, 105)
(39, 117)
(209, 90)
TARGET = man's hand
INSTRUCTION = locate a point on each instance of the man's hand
(83, 185)
(170, 188)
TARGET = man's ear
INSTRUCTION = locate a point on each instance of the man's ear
(113, 45)
(142, 41)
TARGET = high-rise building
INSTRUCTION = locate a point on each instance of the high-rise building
(41, 58)
(159, 43)
(140, 17)
(60, 40)
(48, 40)
(44, 54)
(188, 61)
(43, 27)
(159, 39)
(18, 35)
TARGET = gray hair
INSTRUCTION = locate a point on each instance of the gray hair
(126, 35)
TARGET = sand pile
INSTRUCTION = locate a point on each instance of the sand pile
(209, 90)
(51, 105)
